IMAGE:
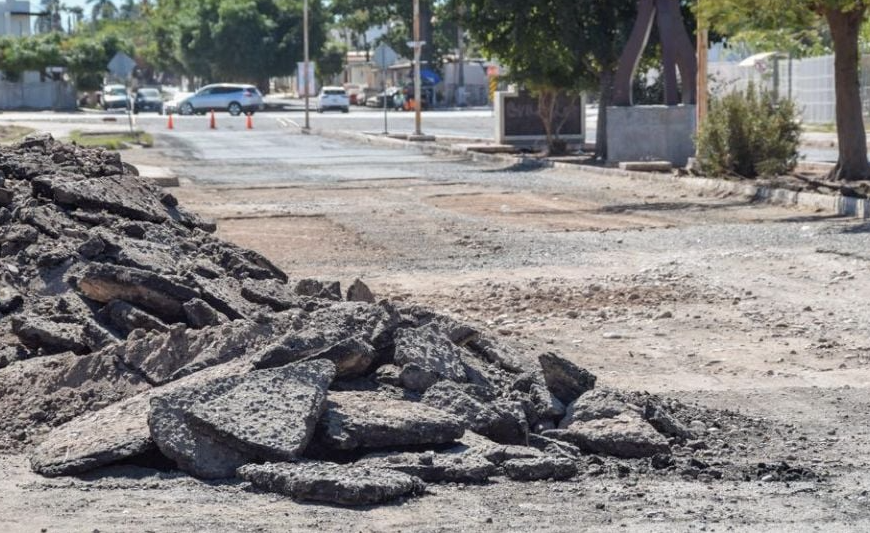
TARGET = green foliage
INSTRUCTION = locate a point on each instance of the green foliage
(111, 141)
(792, 26)
(332, 60)
(748, 134)
(233, 40)
(84, 56)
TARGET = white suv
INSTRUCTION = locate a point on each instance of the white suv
(234, 98)
(333, 98)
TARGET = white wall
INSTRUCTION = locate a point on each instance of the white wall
(17, 25)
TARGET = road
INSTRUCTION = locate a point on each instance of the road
(718, 301)
(467, 124)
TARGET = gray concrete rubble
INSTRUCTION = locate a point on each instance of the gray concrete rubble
(371, 420)
(128, 333)
(456, 465)
(271, 414)
(333, 483)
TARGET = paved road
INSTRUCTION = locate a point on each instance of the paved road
(472, 123)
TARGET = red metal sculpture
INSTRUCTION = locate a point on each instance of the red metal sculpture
(677, 51)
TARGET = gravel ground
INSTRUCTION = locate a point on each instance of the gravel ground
(721, 302)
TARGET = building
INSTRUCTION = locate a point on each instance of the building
(15, 18)
(32, 90)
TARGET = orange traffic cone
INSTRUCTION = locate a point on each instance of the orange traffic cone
(249, 123)
(169, 124)
(211, 123)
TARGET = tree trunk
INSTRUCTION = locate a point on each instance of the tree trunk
(426, 34)
(605, 98)
(851, 137)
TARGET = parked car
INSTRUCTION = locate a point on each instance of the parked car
(171, 106)
(394, 96)
(147, 99)
(333, 98)
(354, 93)
(114, 97)
(234, 98)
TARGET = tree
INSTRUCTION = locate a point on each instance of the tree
(844, 19)
(233, 40)
(565, 44)
(49, 20)
(398, 16)
(103, 10)
(77, 13)
(331, 61)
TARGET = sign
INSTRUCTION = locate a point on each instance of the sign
(385, 56)
(121, 66)
(304, 82)
(492, 71)
(416, 44)
(518, 121)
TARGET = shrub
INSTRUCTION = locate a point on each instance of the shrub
(749, 134)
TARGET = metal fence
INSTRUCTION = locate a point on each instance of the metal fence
(809, 82)
(37, 95)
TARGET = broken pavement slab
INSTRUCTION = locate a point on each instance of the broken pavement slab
(455, 465)
(627, 436)
(118, 432)
(332, 483)
(355, 420)
(270, 414)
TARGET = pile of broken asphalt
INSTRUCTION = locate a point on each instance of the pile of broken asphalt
(129, 333)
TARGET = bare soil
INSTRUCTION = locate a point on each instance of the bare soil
(718, 302)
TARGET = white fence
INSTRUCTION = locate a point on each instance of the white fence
(37, 95)
(809, 82)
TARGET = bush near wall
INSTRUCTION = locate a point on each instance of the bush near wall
(749, 134)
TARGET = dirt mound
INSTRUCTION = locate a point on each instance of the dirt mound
(138, 336)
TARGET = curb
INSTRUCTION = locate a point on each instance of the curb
(837, 204)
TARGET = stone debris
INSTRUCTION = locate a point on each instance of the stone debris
(128, 332)
(625, 435)
(95, 439)
(270, 414)
(565, 380)
(332, 483)
(371, 420)
(193, 450)
(455, 465)
(538, 468)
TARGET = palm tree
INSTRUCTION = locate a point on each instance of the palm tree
(50, 19)
(130, 10)
(74, 21)
(103, 9)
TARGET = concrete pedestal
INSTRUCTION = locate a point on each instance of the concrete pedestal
(645, 133)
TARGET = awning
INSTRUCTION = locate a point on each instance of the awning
(753, 60)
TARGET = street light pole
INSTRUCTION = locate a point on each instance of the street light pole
(307, 81)
(417, 46)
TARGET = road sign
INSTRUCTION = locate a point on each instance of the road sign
(121, 65)
(305, 84)
(492, 71)
(415, 44)
(385, 56)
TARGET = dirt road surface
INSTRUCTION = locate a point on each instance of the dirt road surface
(722, 302)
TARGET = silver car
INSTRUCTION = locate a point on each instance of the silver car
(236, 99)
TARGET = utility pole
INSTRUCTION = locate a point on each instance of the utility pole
(417, 91)
(307, 127)
(701, 110)
(460, 53)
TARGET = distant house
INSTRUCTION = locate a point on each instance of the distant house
(31, 91)
(15, 18)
